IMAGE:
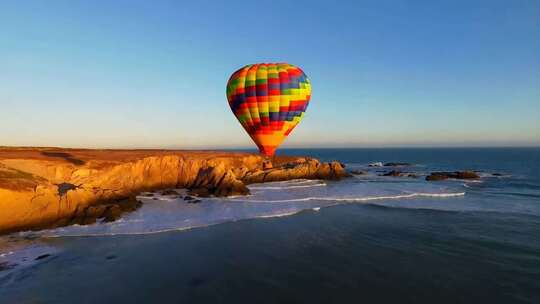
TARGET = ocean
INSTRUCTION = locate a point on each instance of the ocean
(369, 238)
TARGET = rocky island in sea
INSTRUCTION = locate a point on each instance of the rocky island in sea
(52, 187)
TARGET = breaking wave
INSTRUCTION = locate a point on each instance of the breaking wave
(357, 199)
(286, 187)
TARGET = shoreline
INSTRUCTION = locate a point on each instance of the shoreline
(52, 187)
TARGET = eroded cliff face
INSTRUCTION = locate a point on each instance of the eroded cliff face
(37, 192)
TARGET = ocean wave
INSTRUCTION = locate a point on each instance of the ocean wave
(286, 187)
(357, 199)
(209, 219)
(280, 214)
(172, 229)
(293, 181)
(472, 181)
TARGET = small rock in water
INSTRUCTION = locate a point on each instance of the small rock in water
(191, 200)
(202, 192)
(110, 257)
(437, 176)
(376, 164)
(466, 175)
(357, 172)
(31, 236)
(6, 266)
(112, 213)
(496, 174)
(392, 173)
(43, 256)
(169, 192)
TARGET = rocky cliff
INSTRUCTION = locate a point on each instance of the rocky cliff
(53, 187)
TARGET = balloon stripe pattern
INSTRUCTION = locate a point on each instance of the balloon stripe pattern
(269, 100)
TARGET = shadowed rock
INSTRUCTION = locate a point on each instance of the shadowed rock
(43, 256)
(217, 181)
(107, 211)
(63, 188)
(357, 172)
(68, 157)
(6, 266)
(307, 168)
(437, 176)
(393, 173)
(169, 192)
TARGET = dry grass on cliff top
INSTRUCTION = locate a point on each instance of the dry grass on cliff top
(82, 156)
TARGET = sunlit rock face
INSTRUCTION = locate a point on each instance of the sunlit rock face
(53, 187)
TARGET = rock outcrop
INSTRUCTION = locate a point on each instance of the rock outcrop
(396, 173)
(437, 176)
(52, 187)
(357, 172)
(218, 181)
(307, 168)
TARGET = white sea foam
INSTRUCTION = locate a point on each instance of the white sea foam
(279, 214)
(473, 181)
(277, 199)
(287, 187)
(293, 181)
(357, 199)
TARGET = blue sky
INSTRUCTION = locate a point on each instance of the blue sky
(384, 73)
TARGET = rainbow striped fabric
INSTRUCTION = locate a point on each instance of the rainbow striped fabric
(269, 100)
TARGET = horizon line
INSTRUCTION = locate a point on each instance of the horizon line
(244, 148)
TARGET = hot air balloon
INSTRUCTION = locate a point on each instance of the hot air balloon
(269, 100)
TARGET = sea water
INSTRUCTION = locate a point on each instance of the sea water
(386, 238)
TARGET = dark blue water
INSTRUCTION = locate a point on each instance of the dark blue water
(372, 240)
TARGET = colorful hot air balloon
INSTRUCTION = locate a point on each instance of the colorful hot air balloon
(269, 100)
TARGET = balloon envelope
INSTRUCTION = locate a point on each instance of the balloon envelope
(269, 100)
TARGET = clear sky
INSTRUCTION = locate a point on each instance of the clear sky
(384, 73)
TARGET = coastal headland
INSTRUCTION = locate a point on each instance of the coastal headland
(52, 187)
